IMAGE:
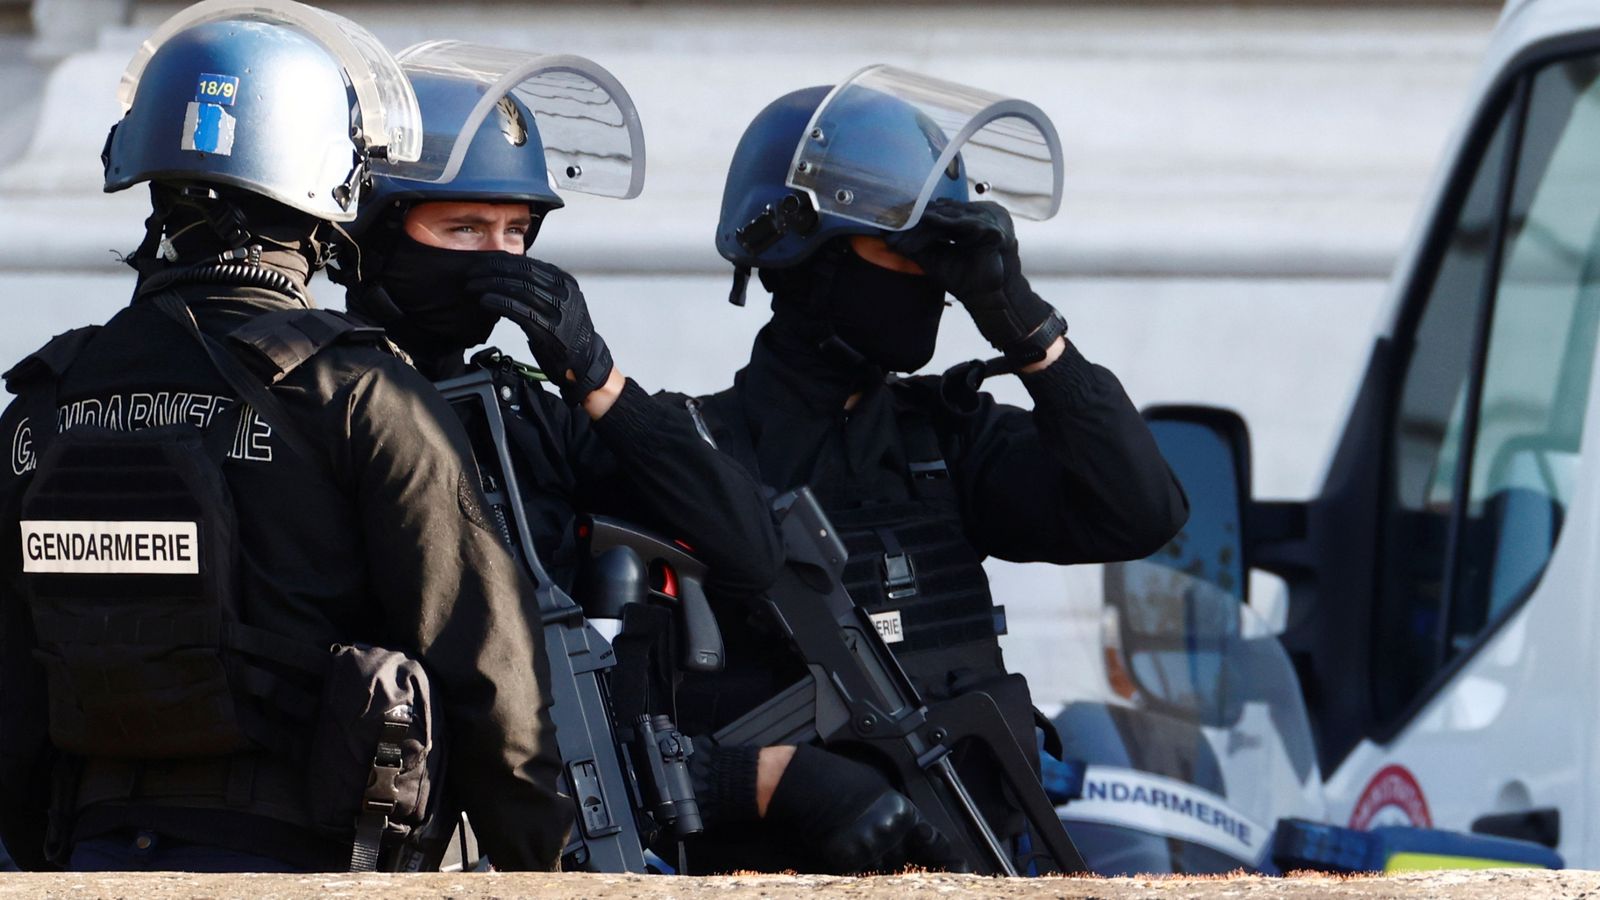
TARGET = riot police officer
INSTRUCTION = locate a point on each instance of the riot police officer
(443, 258)
(221, 482)
(857, 205)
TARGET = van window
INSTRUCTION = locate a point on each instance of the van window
(1506, 465)
(1540, 354)
(1426, 447)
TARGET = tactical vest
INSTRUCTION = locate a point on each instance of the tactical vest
(130, 571)
(910, 566)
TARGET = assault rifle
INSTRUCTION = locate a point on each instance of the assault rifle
(857, 695)
(627, 775)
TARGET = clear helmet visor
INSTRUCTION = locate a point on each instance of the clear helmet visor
(592, 137)
(391, 123)
(878, 145)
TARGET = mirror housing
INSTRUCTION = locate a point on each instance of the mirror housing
(1176, 613)
(1208, 449)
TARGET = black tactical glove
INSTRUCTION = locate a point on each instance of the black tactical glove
(971, 250)
(546, 304)
(853, 820)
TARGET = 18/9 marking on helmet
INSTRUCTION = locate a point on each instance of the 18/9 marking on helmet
(219, 89)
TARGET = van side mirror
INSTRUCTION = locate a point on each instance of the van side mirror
(1177, 612)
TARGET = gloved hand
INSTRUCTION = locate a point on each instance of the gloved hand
(971, 250)
(547, 305)
(853, 819)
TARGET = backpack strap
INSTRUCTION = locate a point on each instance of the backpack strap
(38, 376)
(279, 342)
(247, 385)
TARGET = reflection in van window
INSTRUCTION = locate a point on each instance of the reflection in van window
(1540, 354)
(1426, 446)
(1520, 460)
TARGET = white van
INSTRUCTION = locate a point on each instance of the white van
(1444, 587)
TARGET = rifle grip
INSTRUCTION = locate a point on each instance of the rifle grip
(702, 637)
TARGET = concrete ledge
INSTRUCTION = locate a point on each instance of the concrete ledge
(1477, 885)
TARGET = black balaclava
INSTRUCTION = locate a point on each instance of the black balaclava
(886, 318)
(420, 299)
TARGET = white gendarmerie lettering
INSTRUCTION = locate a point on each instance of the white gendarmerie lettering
(1154, 804)
(22, 449)
(888, 625)
(110, 548)
(131, 412)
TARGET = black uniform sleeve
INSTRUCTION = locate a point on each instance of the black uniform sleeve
(656, 466)
(1079, 479)
(450, 590)
(25, 753)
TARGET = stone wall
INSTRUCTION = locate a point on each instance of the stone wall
(1239, 179)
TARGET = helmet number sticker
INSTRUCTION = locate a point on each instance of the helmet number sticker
(207, 124)
(218, 89)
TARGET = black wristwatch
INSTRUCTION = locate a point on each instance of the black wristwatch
(1033, 348)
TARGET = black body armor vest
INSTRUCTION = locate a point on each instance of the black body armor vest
(911, 566)
(130, 565)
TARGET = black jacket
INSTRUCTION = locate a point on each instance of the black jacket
(1077, 479)
(642, 461)
(379, 539)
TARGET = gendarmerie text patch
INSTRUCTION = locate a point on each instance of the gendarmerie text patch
(110, 548)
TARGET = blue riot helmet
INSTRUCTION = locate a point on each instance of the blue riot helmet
(504, 157)
(272, 97)
(767, 223)
(867, 156)
(506, 126)
(499, 126)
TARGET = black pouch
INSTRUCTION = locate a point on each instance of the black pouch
(377, 761)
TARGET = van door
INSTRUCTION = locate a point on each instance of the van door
(1482, 637)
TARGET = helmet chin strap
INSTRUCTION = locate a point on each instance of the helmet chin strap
(277, 253)
(226, 220)
(144, 259)
(741, 285)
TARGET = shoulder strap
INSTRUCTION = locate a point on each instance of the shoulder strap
(246, 385)
(50, 361)
(511, 375)
(38, 376)
(930, 475)
(282, 341)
